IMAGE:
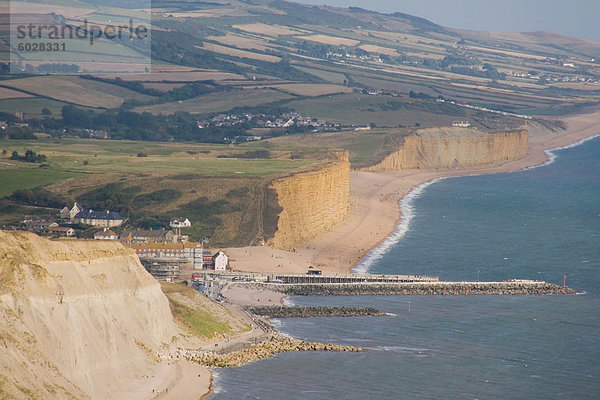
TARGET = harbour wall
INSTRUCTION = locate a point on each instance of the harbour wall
(420, 288)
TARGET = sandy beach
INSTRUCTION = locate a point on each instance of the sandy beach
(376, 212)
(180, 379)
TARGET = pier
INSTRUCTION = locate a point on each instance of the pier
(317, 284)
(515, 287)
(350, 278)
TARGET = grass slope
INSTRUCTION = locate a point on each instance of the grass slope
(27, 178)
(198, 316)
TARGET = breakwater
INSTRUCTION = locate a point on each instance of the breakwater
(276, 343)
(422, 288)
(306, 312)
(351, 278)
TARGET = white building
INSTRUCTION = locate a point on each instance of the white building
(461, 124)
(180, 223)
(220, 260)
(74, 211)
(187, 252)
(106, 234)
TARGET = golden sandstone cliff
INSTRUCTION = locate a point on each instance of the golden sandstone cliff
(78, 319)
(454, 148)
(312, 202)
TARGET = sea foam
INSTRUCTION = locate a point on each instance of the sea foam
(407, 211)
(407, 214)
(551, 156)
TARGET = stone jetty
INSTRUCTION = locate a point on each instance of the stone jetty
(277, 343)
(520, 287)
(306, 312)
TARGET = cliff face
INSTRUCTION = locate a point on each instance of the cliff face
(78, 319)
(313, 203)
(454, 148)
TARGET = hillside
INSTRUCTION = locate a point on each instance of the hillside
(262, 49)
(83, 319)
(271, 89)
(78, 319)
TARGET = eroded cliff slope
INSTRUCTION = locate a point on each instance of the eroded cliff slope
(78, 319)
(312, 202)
(454, 148)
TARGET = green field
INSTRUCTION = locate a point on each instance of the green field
(31, 107)
(202, 167)
(12, 179)
(103, 156)
(66, 89)
(364, 147)
(333, 77)
(216, 102)
(362, 109)
(228, 199)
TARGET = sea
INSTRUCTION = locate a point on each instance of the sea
(542, 223)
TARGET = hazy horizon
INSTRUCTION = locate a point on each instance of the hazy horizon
(577, 18)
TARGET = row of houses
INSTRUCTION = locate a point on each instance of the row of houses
(79, 215)
(160, 246)
(185, 253)
(45, 226)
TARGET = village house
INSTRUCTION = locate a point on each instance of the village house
(76, 209)
(106, 234)
(79, 215)
(37, 224)
(220, 261)
(207, 260)
(180, 223)
(184, 252)
(61, 231)
(461, 124)
(98, 218)
(65, 213)
(149, 236)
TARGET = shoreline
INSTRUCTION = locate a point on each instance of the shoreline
(376, 212)
(376, 217)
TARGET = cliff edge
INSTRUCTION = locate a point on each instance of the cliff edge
(454, 148)
(312, 202)
(78, 319)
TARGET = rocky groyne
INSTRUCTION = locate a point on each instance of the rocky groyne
(312, 202)
(307, 312)
(433, 288)
(444, 148)
(275, 344)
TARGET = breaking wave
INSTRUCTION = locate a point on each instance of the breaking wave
(552, 156)
(407, 214)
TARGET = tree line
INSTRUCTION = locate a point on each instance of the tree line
(124, 124)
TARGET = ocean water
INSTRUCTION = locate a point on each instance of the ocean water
(542, 223)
